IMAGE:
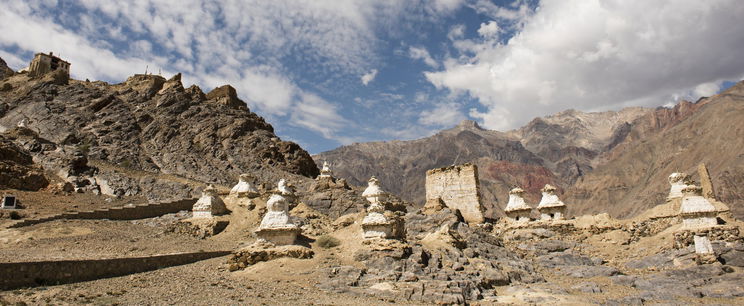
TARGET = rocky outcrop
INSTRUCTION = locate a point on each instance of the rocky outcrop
(17, 169)
(156, 125)
(5, 71)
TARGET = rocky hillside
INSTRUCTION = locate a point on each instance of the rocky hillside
(151, 124)
(613, 162)
(632, 176)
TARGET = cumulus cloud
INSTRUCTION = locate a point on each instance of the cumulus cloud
(369, 77)
(594, 55)
(420, 53)
(442, 115)
(489, 30)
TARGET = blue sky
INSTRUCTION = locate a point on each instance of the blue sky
(328, 73)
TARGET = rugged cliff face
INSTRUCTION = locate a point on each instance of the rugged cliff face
(152, 124)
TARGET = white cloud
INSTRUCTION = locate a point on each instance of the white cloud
(592, 55)
(369, 77)
(420, 53)
(443, 115)
(489, 30)
(316, 114)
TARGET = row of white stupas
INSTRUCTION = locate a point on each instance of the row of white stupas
(550, 206)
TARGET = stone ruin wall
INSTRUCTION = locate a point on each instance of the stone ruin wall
(458, 188)
(69, 271)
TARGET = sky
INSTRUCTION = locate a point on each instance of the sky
(327, 73)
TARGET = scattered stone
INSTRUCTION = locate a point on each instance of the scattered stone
(262, 251)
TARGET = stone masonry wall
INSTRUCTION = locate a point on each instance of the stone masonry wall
(141, 211)
(458, 187)
(23, 274)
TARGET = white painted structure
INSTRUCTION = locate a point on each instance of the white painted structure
(209, 204)
(551, 207)
(517, 209)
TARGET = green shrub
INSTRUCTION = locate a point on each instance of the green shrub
(327, 242)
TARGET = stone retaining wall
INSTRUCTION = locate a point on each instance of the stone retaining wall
(36, 273)
(140, 211)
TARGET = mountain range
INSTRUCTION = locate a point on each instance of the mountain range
(612, 161)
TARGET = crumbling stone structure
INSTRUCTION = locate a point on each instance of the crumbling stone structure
(706, 183)
(458, 187)
(44, 63)
(696, 211)
(678, 181)
(698, 214)
(226, 95)
(551, 207)
(209, 204)
(378, 223)
(517, 209)
(277, 226)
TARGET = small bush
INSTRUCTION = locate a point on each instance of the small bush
(327, 242)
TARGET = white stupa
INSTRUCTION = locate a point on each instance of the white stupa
(276, 226)
(678, 181)
(517, 209)
(551, 207)
(696, 211)
(375, 224)
(243, 188)
(325, 171)
(209, 204)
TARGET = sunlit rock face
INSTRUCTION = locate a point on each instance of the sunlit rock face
(551, 207)
(209, 204)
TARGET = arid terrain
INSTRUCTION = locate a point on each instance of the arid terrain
(115, 205)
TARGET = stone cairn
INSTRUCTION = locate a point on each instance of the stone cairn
(551, 208)
(209, 204)
(517, 210)
(376, 224)
(698, 215)
(678, 181)
(276, 226)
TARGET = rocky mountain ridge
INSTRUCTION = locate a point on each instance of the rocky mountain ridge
(151, 124)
